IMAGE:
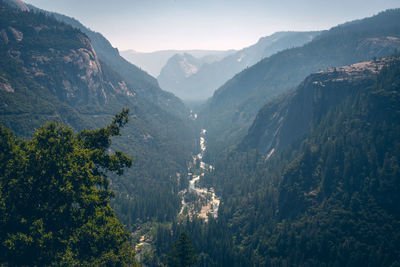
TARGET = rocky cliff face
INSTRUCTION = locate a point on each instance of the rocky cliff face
(79, 80)
(48, 68)
(289, 118)
(143, 84)
(69, 67)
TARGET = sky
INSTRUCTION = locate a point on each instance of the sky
(151, 25)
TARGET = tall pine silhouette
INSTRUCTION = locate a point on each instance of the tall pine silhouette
(182, 253)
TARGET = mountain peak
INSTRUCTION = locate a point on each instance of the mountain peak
(17, 4)
(179, 67)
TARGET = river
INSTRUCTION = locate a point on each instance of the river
(198, 201)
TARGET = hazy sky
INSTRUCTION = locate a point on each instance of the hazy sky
(148, 25)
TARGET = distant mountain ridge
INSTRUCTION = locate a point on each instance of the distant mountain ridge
(202, 84)
(233, 107)
(153, 62)
(178, 68)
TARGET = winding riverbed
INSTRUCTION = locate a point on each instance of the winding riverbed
(207, 201)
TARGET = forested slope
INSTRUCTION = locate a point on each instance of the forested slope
(328, 199)
(232, 109)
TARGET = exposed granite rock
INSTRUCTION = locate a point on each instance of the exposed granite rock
(18, 36)
(4, 86)
(17, 4)
(124, 89)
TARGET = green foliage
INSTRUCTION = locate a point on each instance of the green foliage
(55, 199)
(330, 199)
(233, 107)
(182, 253)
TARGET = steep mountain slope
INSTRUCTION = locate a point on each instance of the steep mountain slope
(50, 71)
(231, 110)
(209, 77)
(153, 62)
(288, 119)
(331, 198)
(144, 84)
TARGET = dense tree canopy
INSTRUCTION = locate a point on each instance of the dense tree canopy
(54, 197)
(329, 199)
(182, 253)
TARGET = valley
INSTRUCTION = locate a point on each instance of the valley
(290, 155)
(198, 201)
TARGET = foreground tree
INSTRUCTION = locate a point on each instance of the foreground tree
(182, 253)
(54, 198)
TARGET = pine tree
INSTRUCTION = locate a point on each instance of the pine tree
(182, 253)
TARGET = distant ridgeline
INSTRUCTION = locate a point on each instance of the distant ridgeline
(234, 106)
(193, 80)
(316, 181)
(51, 71)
